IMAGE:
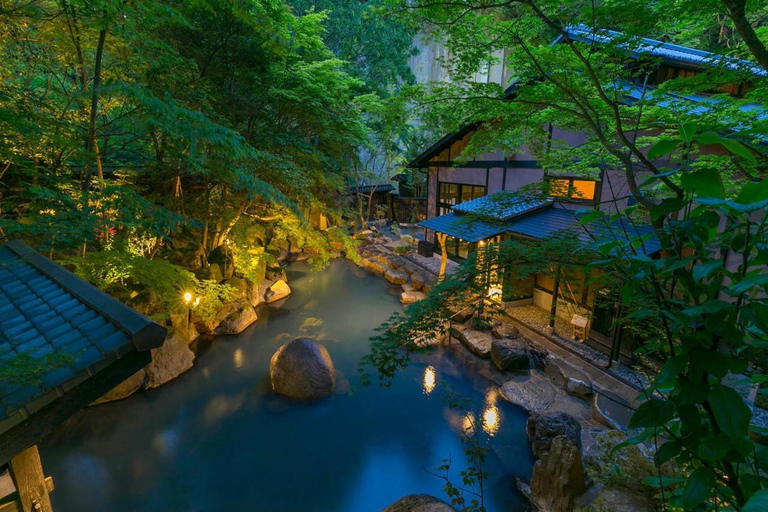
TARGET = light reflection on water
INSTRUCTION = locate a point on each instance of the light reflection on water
(218, 439)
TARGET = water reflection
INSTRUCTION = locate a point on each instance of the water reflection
(239, 358)
(430, 379)
(491, 414)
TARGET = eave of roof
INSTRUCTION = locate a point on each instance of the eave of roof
(435, 149)
(45, 309)
(502, 205)
(668, 52)
(541, 224)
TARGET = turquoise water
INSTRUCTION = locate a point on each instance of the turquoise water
(216, 439)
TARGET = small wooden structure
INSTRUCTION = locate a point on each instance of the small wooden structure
(579, 324)
(45, 309)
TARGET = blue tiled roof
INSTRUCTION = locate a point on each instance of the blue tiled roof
(542, 224)
(44, 309)
(502, 205)
(469, 230)
(668, 51)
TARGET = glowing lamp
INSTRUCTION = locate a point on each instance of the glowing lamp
(187, 297)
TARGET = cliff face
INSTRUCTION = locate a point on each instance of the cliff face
(427, 66)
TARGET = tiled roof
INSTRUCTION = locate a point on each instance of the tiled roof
(502, 205)
(469, 230)
(541, 224)
(667, 51)
(45, 309)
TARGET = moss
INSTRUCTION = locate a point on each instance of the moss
(625, 468)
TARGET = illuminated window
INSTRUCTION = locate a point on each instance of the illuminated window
(451, 194)
(583, 190)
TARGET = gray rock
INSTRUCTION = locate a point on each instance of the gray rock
(169, 361)
(396, 276)
(568, 377)
(505, 331)
(510, 354)
(543, 428)
(558, 477)
(125, 389)
(461, 314)
(238, 321)
(531, 394)
(419, 503)
(302, 368)
(224, 258)
(579, 388)
(478, 342)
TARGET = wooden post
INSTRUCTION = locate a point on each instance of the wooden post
(27, 474)
(441, 237)
(555, 294)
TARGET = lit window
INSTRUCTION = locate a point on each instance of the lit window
(574, 189)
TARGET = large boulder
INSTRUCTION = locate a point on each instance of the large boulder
(210, 273)
(396, 276)
(169, 361)
(302, 368)
(419, 503)
(510, 354)
(634, 461)
(558, 477)
(543, 428)
(237, 321)
(373, 265)
(125, 389)
(277, 291)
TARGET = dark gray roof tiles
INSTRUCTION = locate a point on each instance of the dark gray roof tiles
(44, 309)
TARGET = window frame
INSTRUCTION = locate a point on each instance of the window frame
(447, 207)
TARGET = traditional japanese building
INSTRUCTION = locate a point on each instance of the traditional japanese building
(481, 187)
(87, 343)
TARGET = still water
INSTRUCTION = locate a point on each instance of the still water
(216, 439)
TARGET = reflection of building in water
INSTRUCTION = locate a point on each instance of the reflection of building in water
(430, 379)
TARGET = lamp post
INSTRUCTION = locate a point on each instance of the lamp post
(188, 301)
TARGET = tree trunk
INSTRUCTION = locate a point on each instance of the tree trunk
(737, 12)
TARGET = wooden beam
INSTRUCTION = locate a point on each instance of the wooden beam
(27, 474)
(30, 431)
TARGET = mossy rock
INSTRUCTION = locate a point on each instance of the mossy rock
(210, 273)
(625, 468)
(239, 285)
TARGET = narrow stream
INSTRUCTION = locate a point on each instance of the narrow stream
(217, 439)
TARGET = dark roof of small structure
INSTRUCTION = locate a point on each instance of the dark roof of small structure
(45, 309)
(367, 189)
(541, 223)
(502, 205)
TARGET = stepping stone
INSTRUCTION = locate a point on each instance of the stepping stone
(571, 379)
(530, 394)
(505, 331)
(411, 297)
(396, 276)
(478, 342)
